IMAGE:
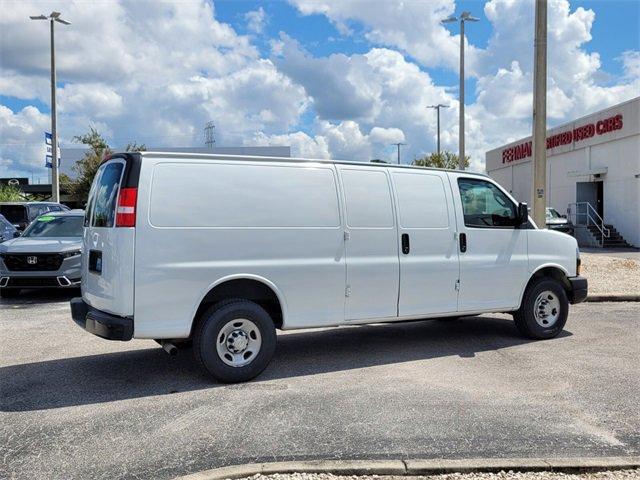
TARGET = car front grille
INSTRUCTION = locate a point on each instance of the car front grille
(33, 282)
(32, 262)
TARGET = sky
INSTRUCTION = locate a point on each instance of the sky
(331, 78)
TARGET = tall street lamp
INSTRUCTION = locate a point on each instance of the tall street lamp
(437, 108)
(55, 183)
(464, 17)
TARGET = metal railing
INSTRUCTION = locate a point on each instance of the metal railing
(583, 214)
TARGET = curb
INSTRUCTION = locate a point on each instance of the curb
(613, 298)
(417, 466)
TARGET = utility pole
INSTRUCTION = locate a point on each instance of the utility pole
(540, 116)
(464, 17)
(55, 179)
(398, 145)
(437, 109)
(209, 135)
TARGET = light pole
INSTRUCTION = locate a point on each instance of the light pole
(398, 145)
(437, 108)
(464, 17)
(55, 184)
(539, 142)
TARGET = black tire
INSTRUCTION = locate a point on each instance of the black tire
(525, 317)
(208, 333)
(9, 292)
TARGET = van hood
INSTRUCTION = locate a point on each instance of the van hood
(41, 245)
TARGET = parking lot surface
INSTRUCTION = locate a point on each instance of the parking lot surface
(76, 406)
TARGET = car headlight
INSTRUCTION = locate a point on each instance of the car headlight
(72, 253)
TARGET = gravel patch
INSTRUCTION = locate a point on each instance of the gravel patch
(611, 275)
(604, 475)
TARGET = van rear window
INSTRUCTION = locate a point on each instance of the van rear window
(104, 194)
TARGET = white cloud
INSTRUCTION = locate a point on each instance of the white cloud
(156, 72)
(144, 71)
(256, 20)
(631, 64)
(379, 92)
(344, 140)
(22, 139)
(413, 27)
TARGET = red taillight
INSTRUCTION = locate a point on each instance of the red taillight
(126, 212)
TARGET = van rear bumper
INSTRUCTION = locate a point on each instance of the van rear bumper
(578, 290)
(101, 323)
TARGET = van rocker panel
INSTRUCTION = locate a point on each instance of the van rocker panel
(99, 323)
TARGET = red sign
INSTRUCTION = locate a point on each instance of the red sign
(523, 150)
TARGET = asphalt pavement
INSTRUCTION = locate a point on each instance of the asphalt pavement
(75, 406)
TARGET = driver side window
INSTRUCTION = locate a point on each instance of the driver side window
(484, 205)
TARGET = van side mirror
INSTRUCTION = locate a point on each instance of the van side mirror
(523, 214)
(16, 234)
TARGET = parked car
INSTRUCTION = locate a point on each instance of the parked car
(7, 230)
(558, 222)
(47, 254)
(221, 251)
(21, 214)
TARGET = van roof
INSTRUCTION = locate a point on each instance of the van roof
(215, 156)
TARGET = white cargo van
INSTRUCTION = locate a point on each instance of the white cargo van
(220, 251)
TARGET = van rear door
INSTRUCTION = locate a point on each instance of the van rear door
(109, 237)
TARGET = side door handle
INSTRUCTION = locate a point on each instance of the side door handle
(406, 248)
(463, 242)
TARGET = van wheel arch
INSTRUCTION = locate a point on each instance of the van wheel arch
(545, 273)
(242, 289)
(555, 273)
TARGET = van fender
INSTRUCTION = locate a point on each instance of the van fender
(244, 276)
(534, 272)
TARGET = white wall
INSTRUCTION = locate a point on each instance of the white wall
(621, 186)
(618, 152)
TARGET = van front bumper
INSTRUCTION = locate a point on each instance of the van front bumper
(579, 289)
(101, 323)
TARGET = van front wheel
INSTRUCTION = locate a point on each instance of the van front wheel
(234, 340)
(544, 309)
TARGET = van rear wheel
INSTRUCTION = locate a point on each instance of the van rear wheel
(544, 310)
(234, 340)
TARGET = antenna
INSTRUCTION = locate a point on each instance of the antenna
(209, 135)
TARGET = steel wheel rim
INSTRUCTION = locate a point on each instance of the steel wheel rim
(546, 309)
(238, 342)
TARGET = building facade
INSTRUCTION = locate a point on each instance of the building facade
(594, 159)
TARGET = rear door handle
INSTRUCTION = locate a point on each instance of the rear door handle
(463, 242)
(406, 248)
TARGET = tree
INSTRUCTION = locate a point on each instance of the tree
(136, 147)
(10, 193)
(445, 159)
(88, 165)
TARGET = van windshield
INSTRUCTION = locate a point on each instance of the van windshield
(51, 226)
(14, 213)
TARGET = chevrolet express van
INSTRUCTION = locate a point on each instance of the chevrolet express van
(220, 251)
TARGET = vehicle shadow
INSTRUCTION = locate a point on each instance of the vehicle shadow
(38, 296)
(149, 372)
